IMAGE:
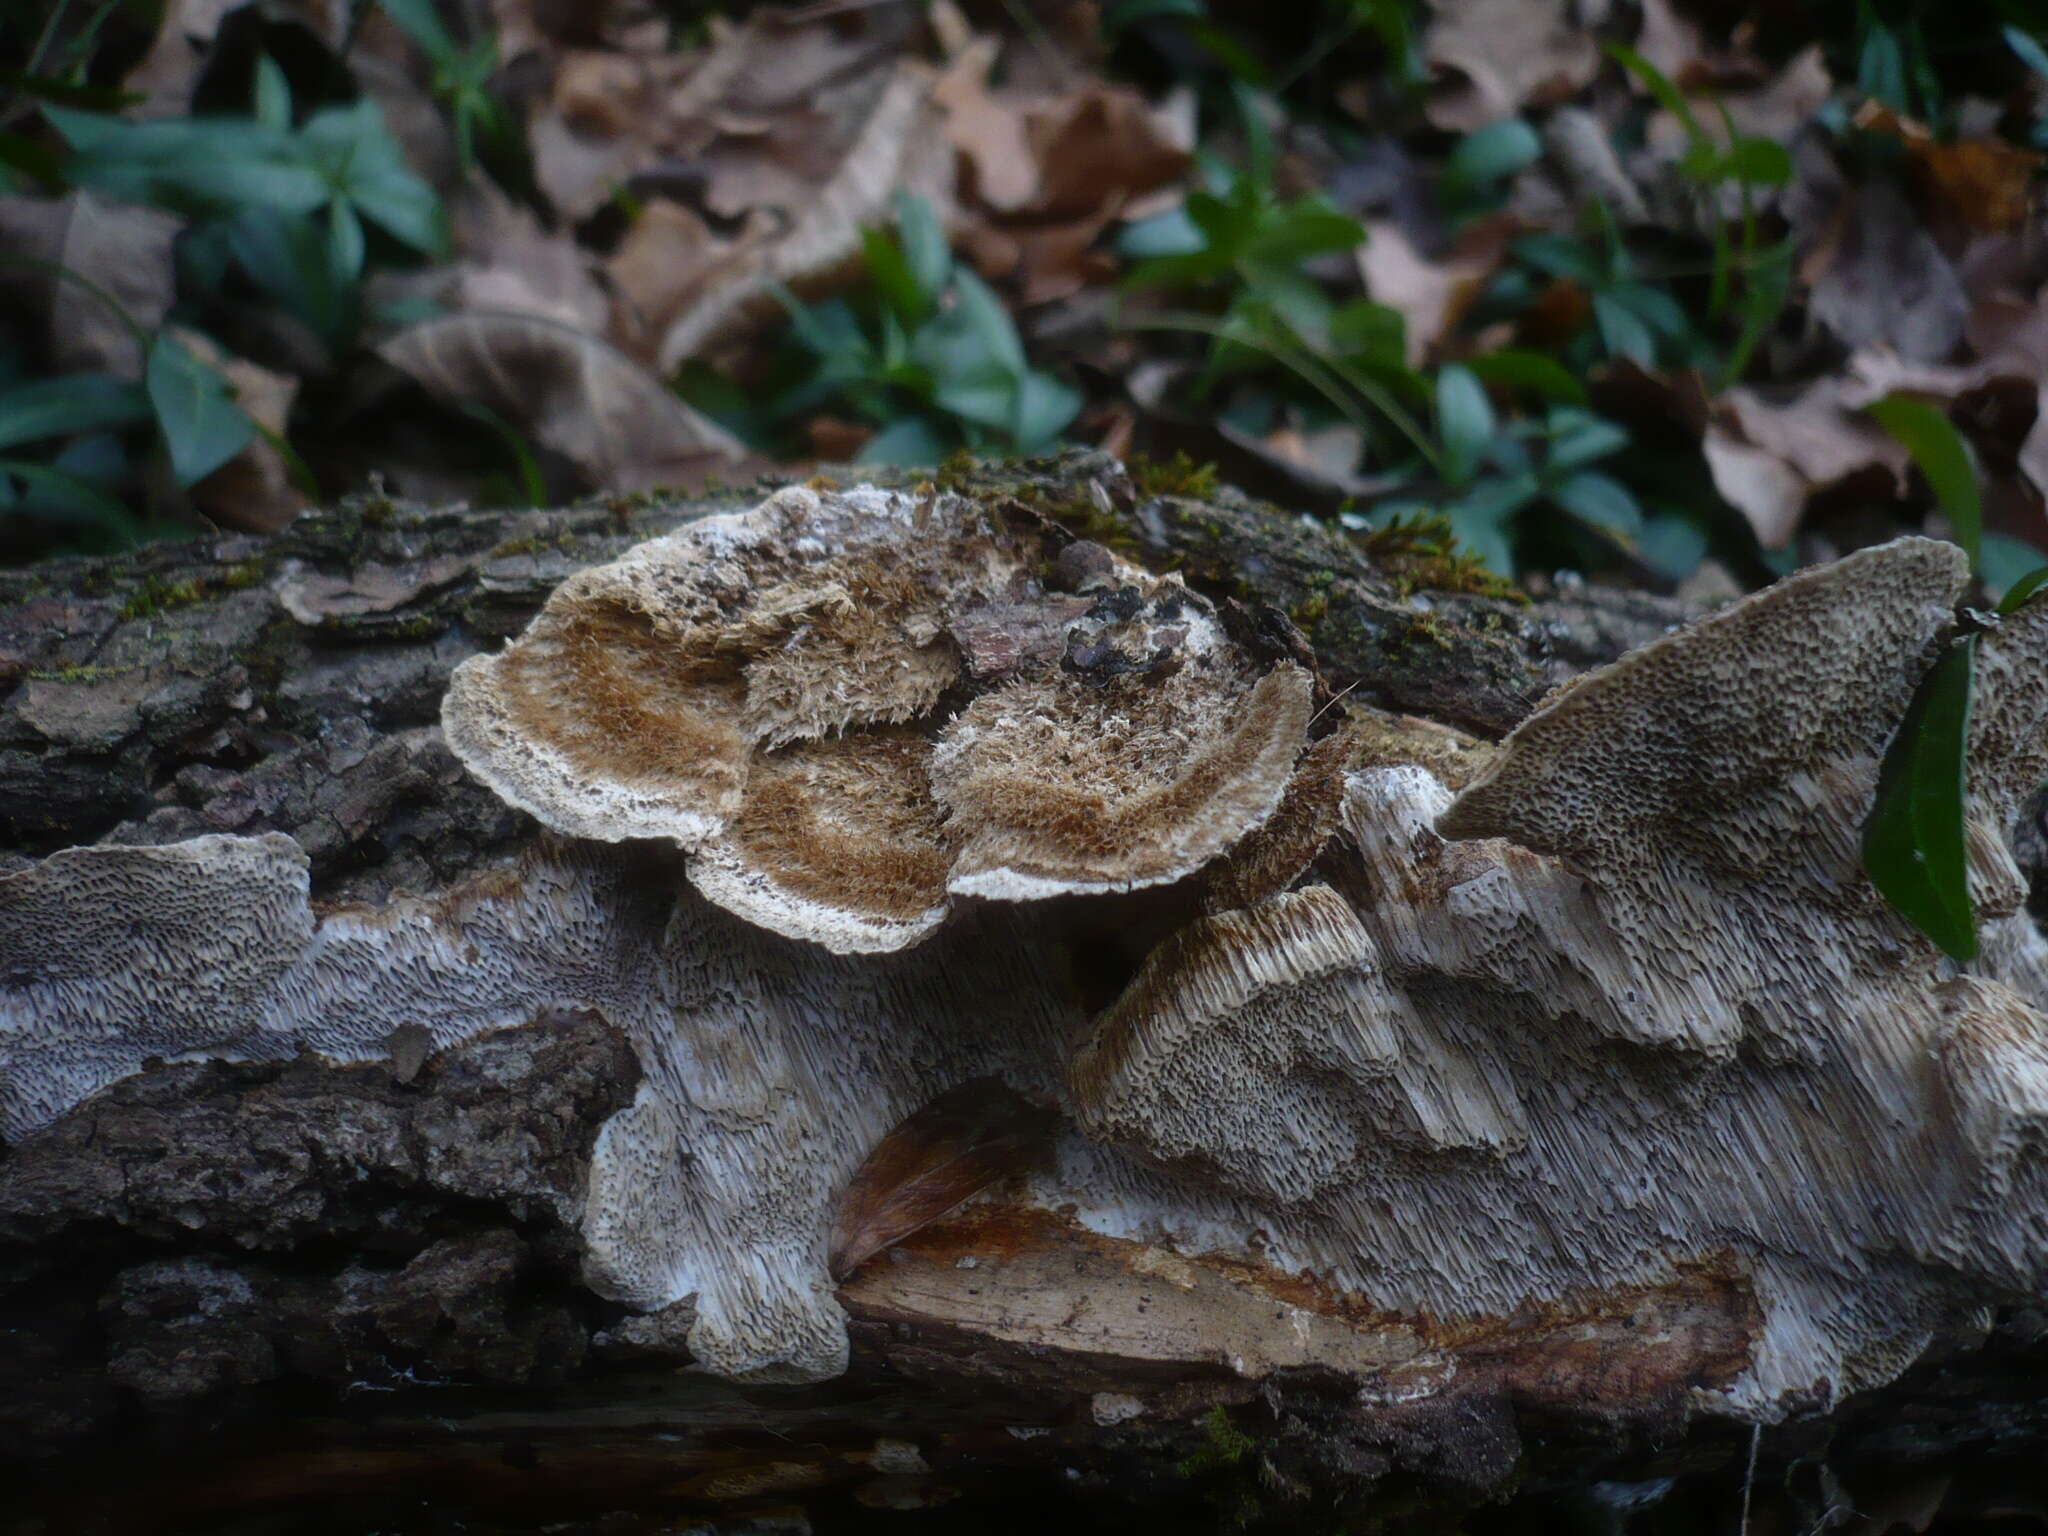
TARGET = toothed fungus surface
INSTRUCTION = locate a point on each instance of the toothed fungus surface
(1614, 1010)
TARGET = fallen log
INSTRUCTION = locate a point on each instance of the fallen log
(1015, 990)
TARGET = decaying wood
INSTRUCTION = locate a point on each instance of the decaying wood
(338, 1096)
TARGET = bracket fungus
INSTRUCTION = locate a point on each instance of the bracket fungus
(1440, 1031)
(849, 707)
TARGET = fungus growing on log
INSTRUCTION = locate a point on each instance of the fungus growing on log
(765, 691)
(1609, 1026)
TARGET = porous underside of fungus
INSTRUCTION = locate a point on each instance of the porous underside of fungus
(1620, 1010)
(849, 707)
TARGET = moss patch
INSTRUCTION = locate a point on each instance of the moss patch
(1177, 476)
(1421, 553)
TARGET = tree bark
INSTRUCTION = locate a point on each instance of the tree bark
(232, 1288)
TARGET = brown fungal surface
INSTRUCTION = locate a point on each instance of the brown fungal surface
(1603, 1026)
(733, 687)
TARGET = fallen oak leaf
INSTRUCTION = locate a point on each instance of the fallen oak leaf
(947, 1152)
(569, 391)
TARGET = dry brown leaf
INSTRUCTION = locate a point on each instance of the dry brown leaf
(1761, 486)
(2033, 454)
(569, 391)
(1432, 296)
(1668, 40)
(956, 1146)
(1044, 173)
(763, 116)
(114, 251)
(513, 265)
(1886, 281)
(897, 150)
(1815, 431)
(802, 126)
(668, 261)
(992, 136)
(1984, 184)
(253, 491)
(1511, 54)
(1579, 142)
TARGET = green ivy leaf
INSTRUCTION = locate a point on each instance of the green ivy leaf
(67, 405)
(2030, 51)
(907, 440)
(892, 276)
(1944, 458)
(1493, 153)
(273, 95)
(1579, 438)
(1600, 501)
(986, 318)
(202, 425)
(925, 251)
(1621, 332)
(1759, 162)
(71, 498)
(1532, 371)
(2017, 594)
(1913, 848)
(1464, 421)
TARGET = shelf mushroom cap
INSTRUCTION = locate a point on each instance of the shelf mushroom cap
(848, 708)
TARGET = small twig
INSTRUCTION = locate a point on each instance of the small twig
(1756, 1440)
(1335, 699)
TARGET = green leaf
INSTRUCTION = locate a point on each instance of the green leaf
(361, 162)
(1492, 502)
(1493, 153)
(1943, 457)
(1464, 421)
(421, 21)
(2017, 594)
(294, 261)
(2003, 561)
(1622, 332)
(201, 424)
(1044, 407)
(70, 498)
(1881, 66)
(892, 276)
(988, 398)
(532, 483)
(1663, 314)
(989, 321)
(1672, 545)
(1372, 335)
(1128, 13)
(925, 251)
(1308, 226)
(1759, 162)
(1660, 86)
(1600, 501)
(192, 165)
(1532, 371)
(1578, 437)
(909, 440)
(1171, 233)
(2029, 50)
(344, 243)
(68, 405)
(1913, 843)
(68, 93)
(35, 160)
(273, 95)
